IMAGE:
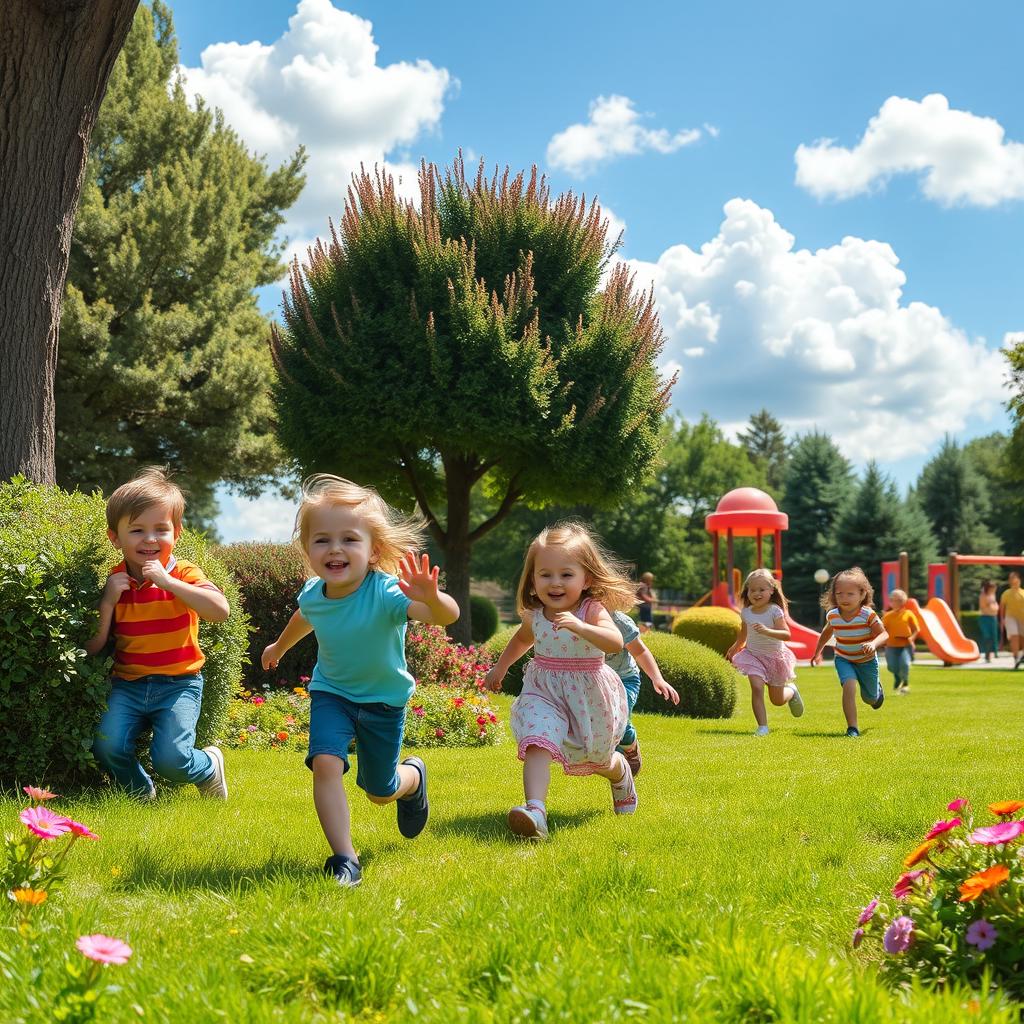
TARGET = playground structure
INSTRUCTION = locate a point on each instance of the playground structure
(940, 618)
(749, 512)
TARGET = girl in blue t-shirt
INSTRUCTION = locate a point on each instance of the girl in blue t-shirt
(358, 608)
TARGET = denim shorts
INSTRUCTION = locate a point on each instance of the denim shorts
(334, 721)
(866, 674)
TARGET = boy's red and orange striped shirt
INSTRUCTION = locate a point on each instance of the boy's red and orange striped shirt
(156, 633)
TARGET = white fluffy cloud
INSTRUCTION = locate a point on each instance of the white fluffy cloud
(613, 130)
(962, 158)
(268, 517)
(320, 85)
(822, 338)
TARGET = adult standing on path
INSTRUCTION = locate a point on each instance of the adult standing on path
(648, 599)
(988, 620)
(1011, 607)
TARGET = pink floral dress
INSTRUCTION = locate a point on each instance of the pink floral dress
(572, 704)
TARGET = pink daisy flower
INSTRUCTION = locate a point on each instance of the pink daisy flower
(80, 830)
(35, 793)
(103, 949)
(993, 835)
(942, 826)
(905, 883)
(958, 804)
(42, 822)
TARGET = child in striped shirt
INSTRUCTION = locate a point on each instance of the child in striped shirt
(151, 605)
(858, 633)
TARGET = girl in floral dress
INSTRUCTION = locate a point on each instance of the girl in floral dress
(572, 708)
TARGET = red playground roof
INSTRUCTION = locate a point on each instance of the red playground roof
(745, 511)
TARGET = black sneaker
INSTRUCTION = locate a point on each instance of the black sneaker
(414, 809)
(853, 732)
(345, 870)
(881, 700)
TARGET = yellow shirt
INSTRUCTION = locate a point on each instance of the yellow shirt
(899, 625)
(1012, 603)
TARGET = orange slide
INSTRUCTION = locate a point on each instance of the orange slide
(942, 633)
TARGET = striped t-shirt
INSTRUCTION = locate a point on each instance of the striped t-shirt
(156, 633)
(850, 634)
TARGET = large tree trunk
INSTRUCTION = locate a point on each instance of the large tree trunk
(55, 59)
(458, 485)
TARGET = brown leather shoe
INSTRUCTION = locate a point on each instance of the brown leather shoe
(633, 758)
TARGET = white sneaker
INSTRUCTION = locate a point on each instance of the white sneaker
(624, 798)
(216, 786)
(796, 703)
(762, 730)
(528, 822)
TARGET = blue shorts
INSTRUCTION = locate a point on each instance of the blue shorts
(335, 721)
(631, 684)
(866, 674)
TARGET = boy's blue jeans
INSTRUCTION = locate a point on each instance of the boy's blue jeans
(631, 684)
(170, 705)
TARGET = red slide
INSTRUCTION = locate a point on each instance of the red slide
(942, 633)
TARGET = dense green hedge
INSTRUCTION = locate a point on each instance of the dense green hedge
(270, 577)
(484, 614)
(705, 680)
(716, 628)
(54, 556)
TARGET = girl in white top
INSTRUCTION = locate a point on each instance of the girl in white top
(760, 651)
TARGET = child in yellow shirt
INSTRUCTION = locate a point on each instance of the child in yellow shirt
(902, 626)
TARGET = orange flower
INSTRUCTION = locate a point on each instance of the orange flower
(919, 854)
(974, 886)
(28, 897)
(282, 736)
(1005, 807)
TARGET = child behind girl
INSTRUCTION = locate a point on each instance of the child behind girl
(572, 708)
(354, 542)
(858, 633)
(760, 651)
(901, 629)
(635, 655)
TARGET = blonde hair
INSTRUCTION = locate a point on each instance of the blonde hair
(151, 487)
(901, 594)
(609, 578)
(856, 575)
(778, 597)
(391, 532)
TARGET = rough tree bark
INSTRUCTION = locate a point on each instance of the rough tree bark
(55, 59)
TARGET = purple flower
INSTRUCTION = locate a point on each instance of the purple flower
(982, 934)
(868, 912)
(858, 937)
(994, 835)
(252, 728)
(899, 935)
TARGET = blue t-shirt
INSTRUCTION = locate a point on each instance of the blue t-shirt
(623, 662)
(361, 639)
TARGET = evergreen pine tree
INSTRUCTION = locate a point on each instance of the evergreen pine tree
(765, 442)
(918, 540)
(163, 353)
(991, 457)
(818, 485)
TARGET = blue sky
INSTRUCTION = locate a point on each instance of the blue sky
(831, 338)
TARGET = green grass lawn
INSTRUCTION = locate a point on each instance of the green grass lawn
(730, 896)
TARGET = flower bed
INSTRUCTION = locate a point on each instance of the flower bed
(958, 909)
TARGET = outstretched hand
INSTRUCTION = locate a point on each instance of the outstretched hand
(416, 579)
(665, 690)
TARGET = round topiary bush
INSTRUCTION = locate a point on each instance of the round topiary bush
(484, 614)
(716, 628)
(513, 681)
(270, 577)
(54, 557)
(705, 680)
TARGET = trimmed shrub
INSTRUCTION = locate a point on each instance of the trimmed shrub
(705, 680)
(716, 628)
(270, 577)
(54, 556)
(484, 614)
(513, 681)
